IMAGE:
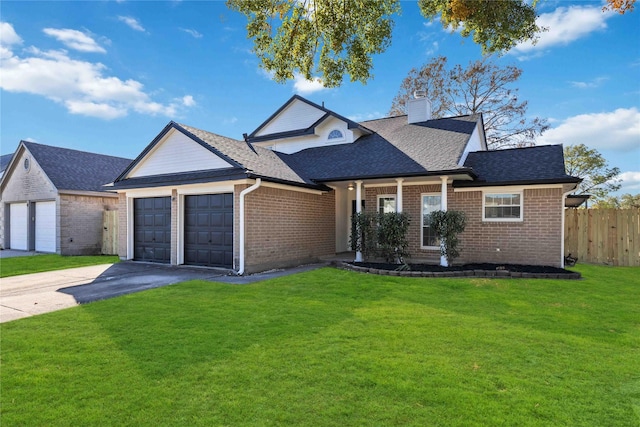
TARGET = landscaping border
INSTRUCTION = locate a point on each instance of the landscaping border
(459, 273)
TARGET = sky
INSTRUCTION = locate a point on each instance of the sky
(107, 76)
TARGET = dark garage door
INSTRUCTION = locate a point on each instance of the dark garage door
(208, 230)
(152, 229)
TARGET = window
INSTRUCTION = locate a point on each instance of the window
(386, 204)
(335, 134)
(430, 203)
(502, 207)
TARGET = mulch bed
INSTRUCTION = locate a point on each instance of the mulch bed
(467, 270)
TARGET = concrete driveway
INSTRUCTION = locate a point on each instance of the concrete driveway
(32, 294)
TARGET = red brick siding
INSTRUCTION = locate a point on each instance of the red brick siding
(122, 225)
(536, 240)
(285, 228)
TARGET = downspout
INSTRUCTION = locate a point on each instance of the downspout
(242, 225)
(562, 208)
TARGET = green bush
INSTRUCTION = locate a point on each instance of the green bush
(383, 235)
(447, 225)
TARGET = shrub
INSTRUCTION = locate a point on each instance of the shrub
(447, 225)
(392, 237)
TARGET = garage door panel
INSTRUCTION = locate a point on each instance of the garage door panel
(152, 229)
(18, 224)
(45, 226)
(206, 238)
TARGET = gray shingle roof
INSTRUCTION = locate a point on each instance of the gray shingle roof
(76, 170)
(4, 161)
(534, 164)
(256, 160)
(396, 148)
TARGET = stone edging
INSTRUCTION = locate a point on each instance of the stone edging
(467, 273)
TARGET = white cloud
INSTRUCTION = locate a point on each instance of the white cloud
(367, 116)
(630, 182)
(590, 84)
(194, 33)
(82, 87)
(131, 22)
(565, 25)
(8, 35)
(230, 121)
(304, 87)
(188, 101)
(75, 39)
(615, 130)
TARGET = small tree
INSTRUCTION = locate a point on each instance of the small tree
(447, 225)
(363, 237)
(392, 237)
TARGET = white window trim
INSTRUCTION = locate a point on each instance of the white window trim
(520, 192)
(386, 196)
(422, 220)
(332, 140)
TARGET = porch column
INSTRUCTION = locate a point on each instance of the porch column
(443, 206)
(399, 195)
(359, 210)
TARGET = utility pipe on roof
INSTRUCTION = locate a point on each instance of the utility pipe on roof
(243, 193)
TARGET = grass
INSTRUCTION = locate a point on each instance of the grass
(336, 348)
(50, 262)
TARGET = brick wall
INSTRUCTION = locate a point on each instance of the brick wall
(81, 222)
(286, 228)
(536, 240)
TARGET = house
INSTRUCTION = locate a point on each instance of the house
(285, 195)
(52, 199)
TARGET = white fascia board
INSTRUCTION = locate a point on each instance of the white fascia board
(506, 188)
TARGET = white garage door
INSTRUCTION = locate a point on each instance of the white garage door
(18, 220)
(46, 226)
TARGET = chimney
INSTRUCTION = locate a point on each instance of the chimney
(419, 108)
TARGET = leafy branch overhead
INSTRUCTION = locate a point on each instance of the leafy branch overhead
(334, 38)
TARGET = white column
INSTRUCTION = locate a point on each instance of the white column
(359, 210)
(443, 206)
(399, 195)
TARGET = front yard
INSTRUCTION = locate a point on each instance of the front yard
(332, 347)
(50, 262)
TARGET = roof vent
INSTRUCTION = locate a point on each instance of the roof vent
(419, 108)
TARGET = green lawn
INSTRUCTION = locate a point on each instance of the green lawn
(335, 348)
(49, 262)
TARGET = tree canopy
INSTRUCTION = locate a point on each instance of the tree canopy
(598, 179)
(333, 38)
(481, 87)
(626, 201)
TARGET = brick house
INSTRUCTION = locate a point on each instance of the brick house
(285, 195)
(52, 199)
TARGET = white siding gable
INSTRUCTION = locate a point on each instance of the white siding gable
(474, 144)
(177, 153)
(319, 139)
(297, 115)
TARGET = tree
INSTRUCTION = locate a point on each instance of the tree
(626, 201)
(332, 38)
(598, 179)
(483, 87)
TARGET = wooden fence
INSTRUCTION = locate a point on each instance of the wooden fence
(110, 232)
(603, 236)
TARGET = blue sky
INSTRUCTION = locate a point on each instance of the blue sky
(107, 76)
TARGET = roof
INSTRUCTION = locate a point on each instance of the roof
(4, 161)
(396, 148)
(252, 137)
(246, 161)
(540, 164)
(76, 170)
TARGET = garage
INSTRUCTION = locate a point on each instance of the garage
(152, 229)
(46, 226)
(18, 226)
(208, 230)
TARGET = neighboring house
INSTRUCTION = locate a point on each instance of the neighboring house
(286, 194)
(52, 199)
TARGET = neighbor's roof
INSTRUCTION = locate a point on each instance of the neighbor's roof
(4, 161)
(76, 170)
(540, 164)
(396, 148)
